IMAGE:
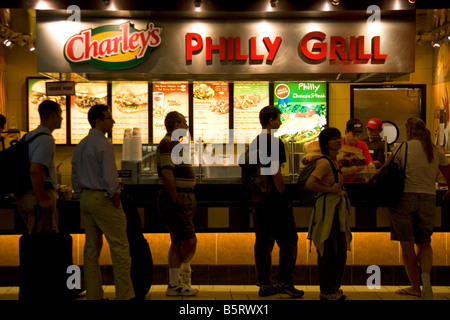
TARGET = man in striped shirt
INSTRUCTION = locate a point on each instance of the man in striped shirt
(177, 204)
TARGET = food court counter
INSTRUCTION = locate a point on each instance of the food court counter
(223, 207)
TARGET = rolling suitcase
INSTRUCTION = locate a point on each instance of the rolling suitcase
(44, 258)
(141, 256)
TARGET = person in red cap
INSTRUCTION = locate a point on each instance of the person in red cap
(374, 141)
(353, 131)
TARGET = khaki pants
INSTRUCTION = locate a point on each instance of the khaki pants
(100, 217)
(37, 220)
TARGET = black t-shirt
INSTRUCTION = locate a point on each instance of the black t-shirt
(264, 142)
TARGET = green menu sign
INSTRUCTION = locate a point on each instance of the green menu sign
(303, 107)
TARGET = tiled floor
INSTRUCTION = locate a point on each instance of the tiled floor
(216, 292)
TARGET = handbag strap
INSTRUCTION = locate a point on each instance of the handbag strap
(406, 154)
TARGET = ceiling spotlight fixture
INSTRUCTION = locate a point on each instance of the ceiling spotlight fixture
(335, 2)
(107, 2)
(7, 43)
(197, 3)
(31, 47)
(435, 44)
(412, 1)
(273, 3)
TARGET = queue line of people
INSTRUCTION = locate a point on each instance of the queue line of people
(94, 176)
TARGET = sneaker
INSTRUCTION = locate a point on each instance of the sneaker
(427, 293)
(266, 290)
(185, 278)
(180, 290)
(332, 296)
(289, 289)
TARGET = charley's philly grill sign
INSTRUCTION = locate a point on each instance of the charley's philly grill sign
(172, 47)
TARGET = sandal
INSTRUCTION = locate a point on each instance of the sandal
(408, 293)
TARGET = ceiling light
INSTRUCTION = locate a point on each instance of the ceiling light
(31, 47)
(273, 3)
(435, 44)
(197, 3)
(7, 42)
(335, 2)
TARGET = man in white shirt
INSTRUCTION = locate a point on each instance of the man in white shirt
(94, 176)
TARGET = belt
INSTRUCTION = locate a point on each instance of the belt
(185, 189)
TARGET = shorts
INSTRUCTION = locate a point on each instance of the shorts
(178, 217)
(412, 219)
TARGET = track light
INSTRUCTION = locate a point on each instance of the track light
(7, 43)
(273, 3)
(435, 44)
(197, 3)
(31, 47)
(335, 2)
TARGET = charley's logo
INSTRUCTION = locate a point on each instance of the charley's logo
(112, 46)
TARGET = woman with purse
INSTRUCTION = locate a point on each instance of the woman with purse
(413, 216)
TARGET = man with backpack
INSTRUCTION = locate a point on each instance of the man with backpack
(274, 220)
(37, 204)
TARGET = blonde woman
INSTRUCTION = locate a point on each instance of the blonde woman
(412, 218)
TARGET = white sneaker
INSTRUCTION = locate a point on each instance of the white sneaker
(180, 290)
(185, 278)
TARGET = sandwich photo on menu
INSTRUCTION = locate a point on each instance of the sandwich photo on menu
(38, 94)
(131, 97)
(89, 94)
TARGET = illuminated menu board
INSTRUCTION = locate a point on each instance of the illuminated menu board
(86, 95)
(249, 98)
(37, 94)
(168, 96)
(211, 111)
(303, 107)
(129, 109)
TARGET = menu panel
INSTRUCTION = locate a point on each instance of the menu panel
(129, 109)
(249, 98)
(211, 111)
(303, 107)
(37, 94)
(168, 96)
(86, 95)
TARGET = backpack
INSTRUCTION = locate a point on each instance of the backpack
(308, 197)
(254, 183)
(15, 167)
